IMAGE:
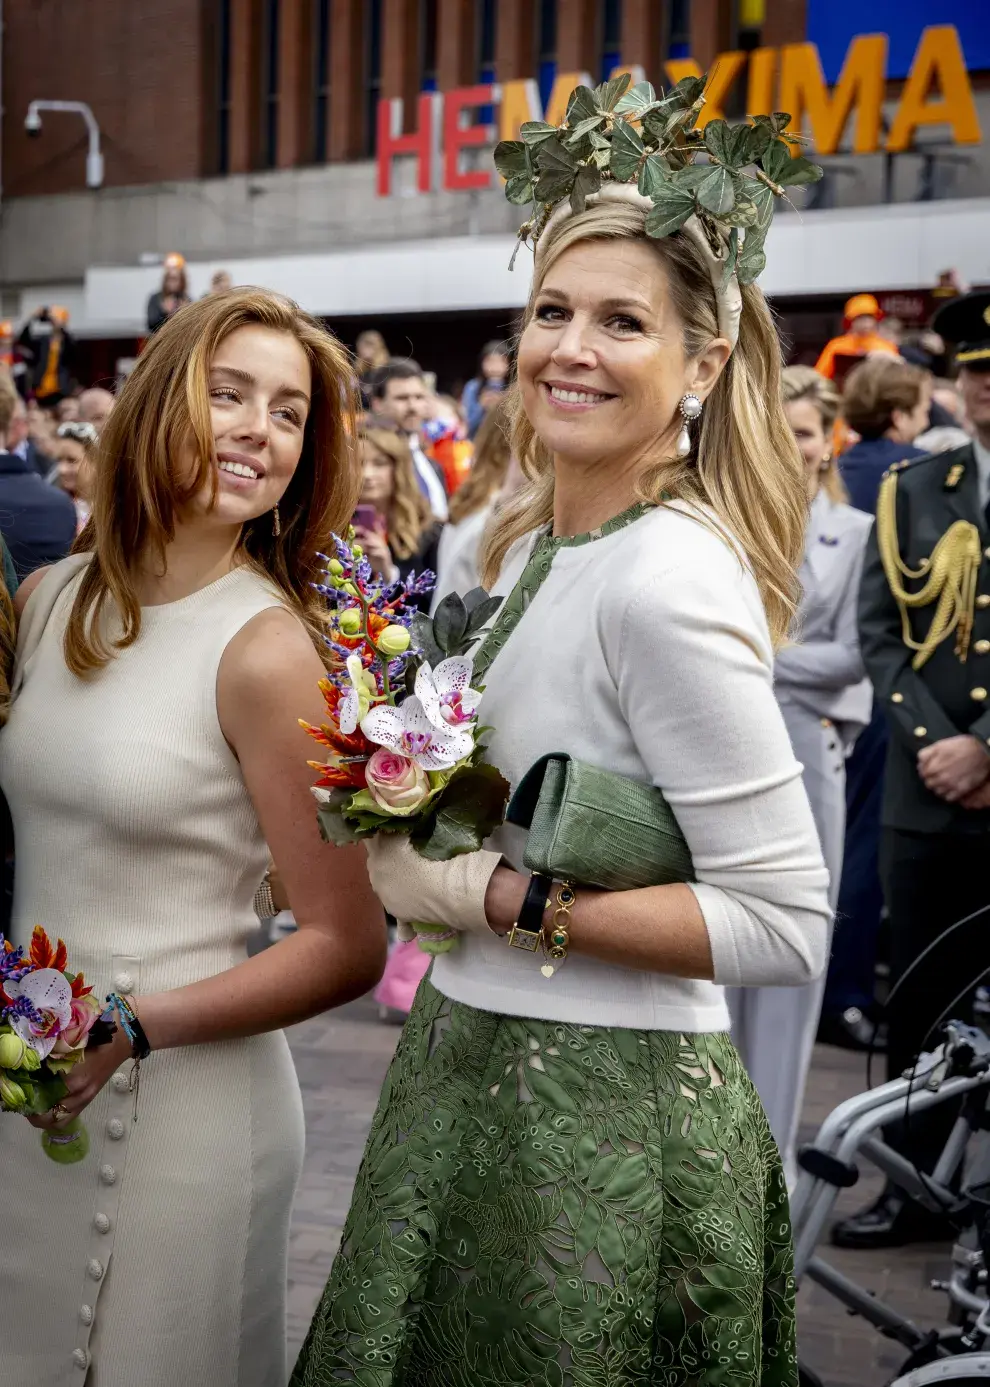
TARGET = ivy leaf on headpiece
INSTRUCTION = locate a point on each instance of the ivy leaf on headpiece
(671, 209)
(637, 100)
(610, 93)
(627, 153)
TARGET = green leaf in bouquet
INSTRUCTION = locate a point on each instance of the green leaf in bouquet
(583, 103)
(480, 615)
(469, 809)
(653, 175)
(671, 209)
(715, 191)
(421, 629)
(636, 100)
(627, 151)
(450, 622)
(588, 181)
(610, 93)
(533, 132)
(334, 828)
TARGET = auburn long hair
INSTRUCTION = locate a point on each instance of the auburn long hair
(408, 511)
(488, 466)
(139, 494)
(744, 466)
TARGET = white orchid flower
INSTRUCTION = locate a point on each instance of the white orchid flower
(356, 702)
(50, 994)
(446, 693)
(408, 730)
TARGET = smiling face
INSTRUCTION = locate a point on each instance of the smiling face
(378, 477)
(805, 420)
(69, 459)
(602, 366)
(260, 389)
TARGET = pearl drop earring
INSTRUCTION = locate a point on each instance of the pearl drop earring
(690, 409)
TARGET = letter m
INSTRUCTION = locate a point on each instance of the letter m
(804, 93)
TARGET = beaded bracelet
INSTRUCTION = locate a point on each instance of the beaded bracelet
(560, 926)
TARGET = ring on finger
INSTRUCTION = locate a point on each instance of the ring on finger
(59, 1111)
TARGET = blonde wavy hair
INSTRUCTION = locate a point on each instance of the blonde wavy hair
(488, 466)
(805, 383)
(744, 463)
(139, 494)
(408, 511)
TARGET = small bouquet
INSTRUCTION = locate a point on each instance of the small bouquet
(48, 1019)
(405, 748)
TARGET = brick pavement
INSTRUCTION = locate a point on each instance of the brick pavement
(341, 1059)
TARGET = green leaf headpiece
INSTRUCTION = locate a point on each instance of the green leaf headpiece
(628, 135)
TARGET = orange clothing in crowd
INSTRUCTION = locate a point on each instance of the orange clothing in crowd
(851, 344)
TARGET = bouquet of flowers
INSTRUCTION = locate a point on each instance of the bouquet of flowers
(48, 1019)
(405, 748)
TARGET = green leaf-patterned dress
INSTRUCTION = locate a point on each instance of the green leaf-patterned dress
(543, 1204)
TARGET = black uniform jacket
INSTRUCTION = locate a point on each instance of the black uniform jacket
(946, 696)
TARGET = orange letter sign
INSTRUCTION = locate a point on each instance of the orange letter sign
(938, 64)
(803, 91)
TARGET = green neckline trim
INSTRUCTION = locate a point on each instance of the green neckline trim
(618, 522)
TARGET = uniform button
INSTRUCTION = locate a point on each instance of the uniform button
(120, 1083)
(921, 731)
(107, 1174)
(94, 1270)
(983, 600)
(979, 693)
(123, 982)
(80, 1357)
(897, 698)
(115, 1129)
(101, 1223)
(982, 647)
(86, 1314)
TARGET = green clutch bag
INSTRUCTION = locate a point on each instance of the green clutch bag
(597, 828)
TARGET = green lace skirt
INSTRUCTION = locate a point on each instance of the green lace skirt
(547, 1205)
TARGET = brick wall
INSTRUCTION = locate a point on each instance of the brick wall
(142, 66)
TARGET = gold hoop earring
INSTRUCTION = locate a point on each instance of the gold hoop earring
(276, 521)
(825, 463)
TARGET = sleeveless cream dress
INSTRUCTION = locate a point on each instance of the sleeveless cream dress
(161, 1258)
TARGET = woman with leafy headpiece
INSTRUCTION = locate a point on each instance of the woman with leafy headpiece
(570, 1181)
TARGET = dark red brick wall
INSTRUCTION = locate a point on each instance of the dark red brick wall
(143, 66)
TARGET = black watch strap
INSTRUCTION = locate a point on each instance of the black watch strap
(527, 932)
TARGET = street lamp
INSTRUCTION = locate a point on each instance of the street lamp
(94, 156)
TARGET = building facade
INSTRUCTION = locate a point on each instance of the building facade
(339, 150)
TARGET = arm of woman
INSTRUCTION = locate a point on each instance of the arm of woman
(692, 666)
(267, 679)
(833, 664)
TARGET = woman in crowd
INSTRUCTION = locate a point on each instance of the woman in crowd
(826, 700)
(886, 402)
(471, 507)
(572, 1174)
(173, 295)
(486, 389)
(75, 473)
(151, 760)
(370, 352)
(393, 522)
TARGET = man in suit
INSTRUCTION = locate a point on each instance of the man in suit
(925, 637)
(399, 395)
(37, 520)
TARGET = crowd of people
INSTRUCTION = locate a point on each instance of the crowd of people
(814, 720)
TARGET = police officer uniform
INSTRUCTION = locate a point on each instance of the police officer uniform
(924, 617)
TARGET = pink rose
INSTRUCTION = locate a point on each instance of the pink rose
(396, 783)
(85, 1012)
